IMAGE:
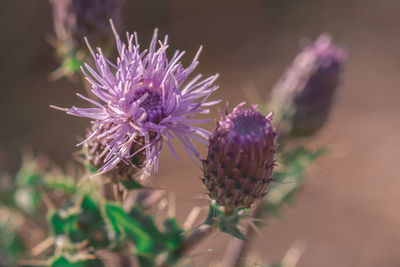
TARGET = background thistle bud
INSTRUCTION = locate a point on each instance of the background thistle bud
(240, 158)
(75, 19)
(96, 152)
(304, 94)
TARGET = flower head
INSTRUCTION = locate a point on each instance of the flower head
(305, 92)
(143, 101)
(240, 158)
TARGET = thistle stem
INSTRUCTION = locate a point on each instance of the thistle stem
(200, 233)
(148, 198)
(197, 235)
(237, 249)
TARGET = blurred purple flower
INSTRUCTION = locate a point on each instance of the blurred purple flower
(143, 96)
(304, 94)
(240, 158)
(75, 19)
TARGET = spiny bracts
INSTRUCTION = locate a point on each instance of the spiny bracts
(240, 160)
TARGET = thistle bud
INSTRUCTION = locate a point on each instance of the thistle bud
(304, 94)
(240, 158)
(75, 19)
(96, 152)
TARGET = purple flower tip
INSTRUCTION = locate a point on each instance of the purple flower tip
(144, 95)
(246, 125)
(324, 52)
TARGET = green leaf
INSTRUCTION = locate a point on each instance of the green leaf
(131, 184)
(63, 223)
(28, 177)
(173, 233)
(71, 63)
(213, 213)
(11, 246)
(152, 245)
(146, 261)
(121, 222)
(174, 236)
(226, 223)
(80, 223)
(64, 261)
(63, 183)
(91, 224)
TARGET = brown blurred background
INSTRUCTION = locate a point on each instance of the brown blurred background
(347, 214)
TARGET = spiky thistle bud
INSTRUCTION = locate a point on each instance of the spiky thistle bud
(304, 94)
(240, 158)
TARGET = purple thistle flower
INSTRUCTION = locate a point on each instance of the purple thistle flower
(143, 97)
(304, 94)
(240, 158)
(75, 19)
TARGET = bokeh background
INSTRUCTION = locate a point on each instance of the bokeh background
(347, 214)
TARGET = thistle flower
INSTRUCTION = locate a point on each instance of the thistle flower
(143, 102)
(75, 19)
(240, 158)
(304, 94)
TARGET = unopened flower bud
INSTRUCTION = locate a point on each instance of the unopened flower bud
(240, 158)
(304, 94)
(75, 19)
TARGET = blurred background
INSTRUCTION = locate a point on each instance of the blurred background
(346, 214)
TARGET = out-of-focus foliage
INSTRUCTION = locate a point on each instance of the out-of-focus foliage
(83, 223)
(65, 261)
(11, 246)
(289, 177)
(151, 243)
